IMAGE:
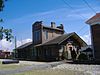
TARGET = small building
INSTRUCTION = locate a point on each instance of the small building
(50, 43)
(5, 54)
(94, 23)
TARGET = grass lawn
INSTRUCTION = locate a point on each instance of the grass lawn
(51, 72)
(10, 66)
(0, 62)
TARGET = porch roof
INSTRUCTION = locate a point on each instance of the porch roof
(24, 45)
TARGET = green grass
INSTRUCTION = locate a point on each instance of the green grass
(51, 72)
(10, 66)
(0, 62)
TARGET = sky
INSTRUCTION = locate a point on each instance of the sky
(19, 15)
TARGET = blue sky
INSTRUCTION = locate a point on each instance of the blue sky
(19, 15)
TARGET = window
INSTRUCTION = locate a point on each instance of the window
(36, 36)
(46, 34)
(48, 52)
(34, 52)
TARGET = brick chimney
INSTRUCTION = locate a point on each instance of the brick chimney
(53, 25)
(61, 27)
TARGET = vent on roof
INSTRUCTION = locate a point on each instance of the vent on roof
(61, 26)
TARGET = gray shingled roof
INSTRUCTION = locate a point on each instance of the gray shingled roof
(24, 45)
(57, 40)
(60, 39)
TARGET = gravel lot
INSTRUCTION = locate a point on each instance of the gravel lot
(91, 69)
(31, 66)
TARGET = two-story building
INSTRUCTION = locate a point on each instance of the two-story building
(94, 23)
(50, 43)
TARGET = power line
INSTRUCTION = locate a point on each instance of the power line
(85, 32)
(79, 15)
(91, 9)
(89, 6)
(76, 13)
(81, 29)
(72, 8)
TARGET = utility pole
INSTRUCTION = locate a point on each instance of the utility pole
(15, 43)
(15, 47)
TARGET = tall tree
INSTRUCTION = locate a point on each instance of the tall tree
(1, 5)
(4, 33)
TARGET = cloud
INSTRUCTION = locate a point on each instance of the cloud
(53, 15)
(19, 43)
(87, 38)
(5, 45)
(9, 46)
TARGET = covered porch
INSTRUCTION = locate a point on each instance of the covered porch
(24, 52)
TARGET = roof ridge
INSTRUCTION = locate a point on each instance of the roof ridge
(69, 34)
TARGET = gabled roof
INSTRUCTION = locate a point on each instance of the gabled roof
(62, 38)
(24, 45)
(58, 39)
(94, 20)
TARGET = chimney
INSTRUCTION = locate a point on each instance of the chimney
(53, 25)
(61, 27)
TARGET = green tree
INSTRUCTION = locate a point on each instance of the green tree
(1, 5)
(4, 33)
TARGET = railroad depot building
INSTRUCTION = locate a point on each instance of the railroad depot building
(50, 43)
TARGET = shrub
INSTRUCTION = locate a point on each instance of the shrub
(82, 57)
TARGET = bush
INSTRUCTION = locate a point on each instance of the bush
(82, 57)
(64, 55)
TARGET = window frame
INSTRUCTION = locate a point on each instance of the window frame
(46, 34)
(37, 35)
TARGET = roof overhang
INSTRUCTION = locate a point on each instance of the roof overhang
(94, 20)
